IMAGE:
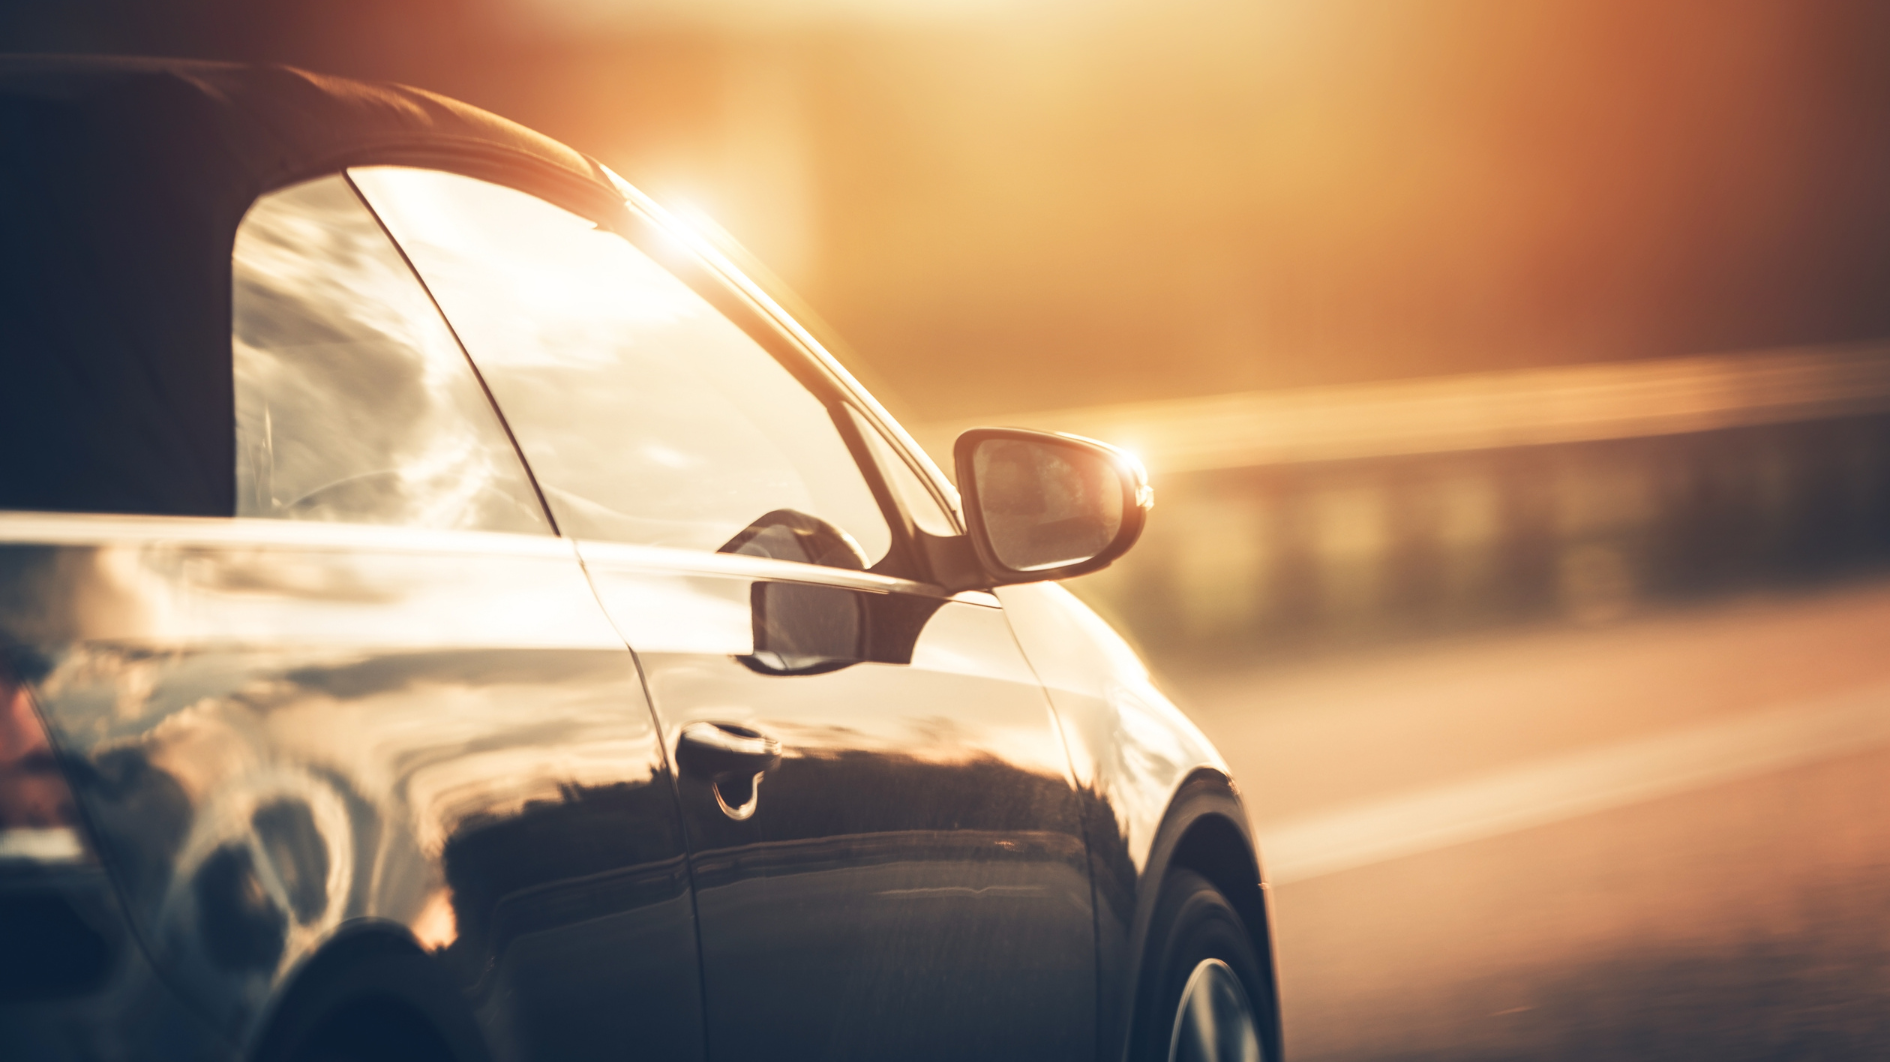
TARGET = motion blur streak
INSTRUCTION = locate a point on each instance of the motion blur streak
(1662, 838)
(1484, 411)
(1533, 794)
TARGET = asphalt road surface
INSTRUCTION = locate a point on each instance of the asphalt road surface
(1664, 839)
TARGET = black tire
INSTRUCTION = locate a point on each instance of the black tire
(375, 1031)
(1193, 924)
(373, 999)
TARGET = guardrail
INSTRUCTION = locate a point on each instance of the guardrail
(1390, 508)
(1477, 411)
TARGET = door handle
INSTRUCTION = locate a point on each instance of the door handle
(731, 758)
(712, 750)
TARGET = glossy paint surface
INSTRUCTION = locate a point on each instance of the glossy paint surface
(912, 882)
(1132, 752)
(280, 730)
(123, 1007)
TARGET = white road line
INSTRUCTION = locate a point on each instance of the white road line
(1566, 787)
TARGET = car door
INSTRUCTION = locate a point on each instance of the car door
(884, 834)
(381, 702)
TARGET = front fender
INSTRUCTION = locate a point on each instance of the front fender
(1148, 778)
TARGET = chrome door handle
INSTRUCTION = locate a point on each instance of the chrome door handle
(731, 759)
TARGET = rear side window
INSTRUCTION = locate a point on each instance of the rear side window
(354, 402)
(647, 416)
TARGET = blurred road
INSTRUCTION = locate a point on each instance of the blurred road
(1664, 839)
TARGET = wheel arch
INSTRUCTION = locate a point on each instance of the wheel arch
(371, 971)
(1205, 830)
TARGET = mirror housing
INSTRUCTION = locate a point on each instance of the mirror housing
(1044, 505)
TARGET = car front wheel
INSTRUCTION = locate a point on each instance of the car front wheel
(1202, 977)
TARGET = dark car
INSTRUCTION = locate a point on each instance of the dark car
(449, 611)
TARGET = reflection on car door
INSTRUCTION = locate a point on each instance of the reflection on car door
(884, 833)
(911, 880)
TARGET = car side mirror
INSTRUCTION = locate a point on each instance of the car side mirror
(1045, 505)
(810, 629)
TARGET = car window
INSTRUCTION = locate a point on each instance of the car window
(926, 512)
(645, 414)
(354, 402)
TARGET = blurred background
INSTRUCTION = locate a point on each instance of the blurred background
(1513, 376)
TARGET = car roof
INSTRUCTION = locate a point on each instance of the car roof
(122, 182)
(263, 122)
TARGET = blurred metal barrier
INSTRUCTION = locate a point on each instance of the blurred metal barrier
(1388, 509)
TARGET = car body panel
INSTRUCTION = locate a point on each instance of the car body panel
(147, 1017)
(277, 730)
(911, 882)
(1146, 773)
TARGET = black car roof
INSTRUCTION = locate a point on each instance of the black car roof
(122, 182)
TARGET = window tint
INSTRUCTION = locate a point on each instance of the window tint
(646, 415)
(353, 401)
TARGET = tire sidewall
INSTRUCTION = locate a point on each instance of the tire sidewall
(1192, 922)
